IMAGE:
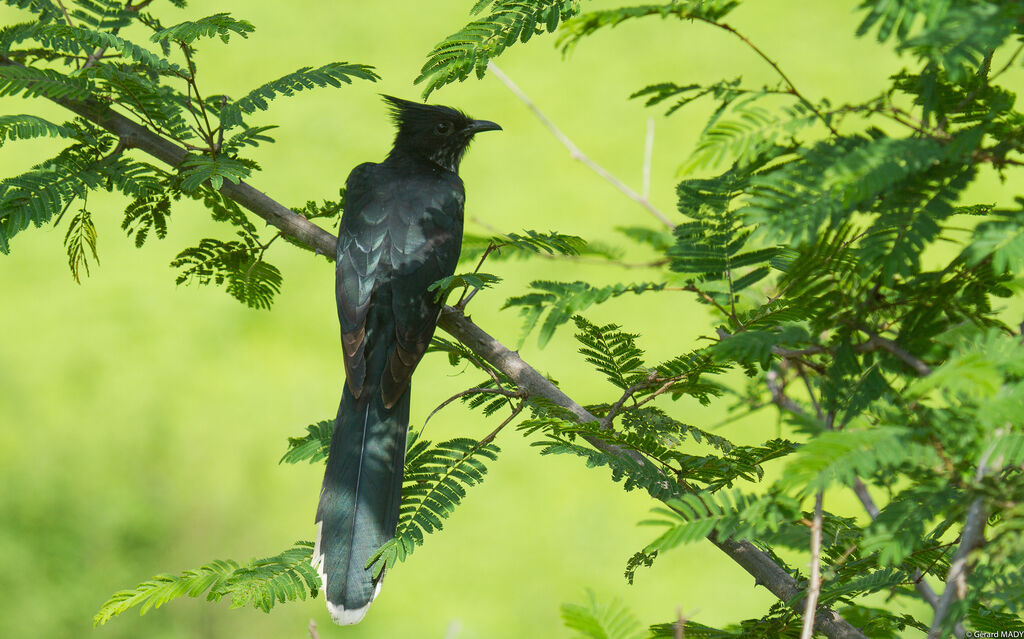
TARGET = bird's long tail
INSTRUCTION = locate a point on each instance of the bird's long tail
(360, 499)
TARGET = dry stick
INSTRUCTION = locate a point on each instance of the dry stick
(814, 587)
(756, 562)
(574, 150)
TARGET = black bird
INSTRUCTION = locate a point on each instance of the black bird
(401, 231)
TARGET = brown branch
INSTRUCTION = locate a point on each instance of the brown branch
(756, 562)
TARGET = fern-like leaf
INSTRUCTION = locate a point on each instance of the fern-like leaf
(313, 446)
(611, 351)
(562, 300)
(436, 479)
(468, 50)
(218, 25)
(334, 74)
(80, 238)
(25, 127)
(597, 620)
(261, 583)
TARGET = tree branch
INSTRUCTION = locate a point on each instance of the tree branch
(458, 325)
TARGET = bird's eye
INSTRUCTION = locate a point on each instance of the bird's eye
(443, 128)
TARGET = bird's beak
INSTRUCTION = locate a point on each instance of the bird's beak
(476, 126)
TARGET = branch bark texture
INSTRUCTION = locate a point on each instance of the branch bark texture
(756, 562)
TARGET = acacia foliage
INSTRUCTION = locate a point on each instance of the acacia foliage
(849, 278)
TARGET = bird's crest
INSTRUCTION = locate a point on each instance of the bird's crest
(416, 115)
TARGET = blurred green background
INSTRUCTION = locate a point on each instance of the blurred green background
(141, 422)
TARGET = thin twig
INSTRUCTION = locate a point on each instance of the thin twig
(785, 78)
(606, 423)
(814, 587)
(494, 433)
(313, 634)
(1009, 63)
(471, 391)
(64, 10)
(574, 150)
(917, 364)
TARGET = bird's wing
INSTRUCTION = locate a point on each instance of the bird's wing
(424, 246)
(361, 245)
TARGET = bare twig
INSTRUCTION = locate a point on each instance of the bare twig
(756, 562)
(574, 150)
(814, 586)
(313, 634)
(785, 78)
(494, 433)
(471, 391)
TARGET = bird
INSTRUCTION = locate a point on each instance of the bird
(400, 231)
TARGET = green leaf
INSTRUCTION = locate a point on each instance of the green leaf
(313, 446)
(238, 264)
(435, 483)
(198, 169)
(54, 34)
(33, 81)
(587, 23)
(596, 620)
(612, 352)
(25, 127)
(261, 583)
(81, 236)
(334, 74)
(219, 24)
(562, 300)
(469, 49)
(444, 286)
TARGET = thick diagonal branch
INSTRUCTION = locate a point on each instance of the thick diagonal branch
(756, 562)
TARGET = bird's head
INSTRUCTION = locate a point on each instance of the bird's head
(437, 133)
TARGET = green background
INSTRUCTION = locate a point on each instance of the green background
(141, 422)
